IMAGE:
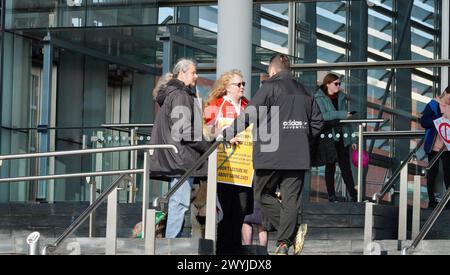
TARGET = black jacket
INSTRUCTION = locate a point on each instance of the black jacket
(286, 147)
(188, 139)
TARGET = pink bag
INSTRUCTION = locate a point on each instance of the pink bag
(365, 158)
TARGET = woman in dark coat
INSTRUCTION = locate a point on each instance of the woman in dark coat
(333, 143)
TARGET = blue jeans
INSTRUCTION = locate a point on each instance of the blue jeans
(178, 205)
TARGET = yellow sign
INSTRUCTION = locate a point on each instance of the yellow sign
(236, 166)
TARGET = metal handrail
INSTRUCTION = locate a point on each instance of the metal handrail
(390, 183)
(435, 159)
(88, 151)
(145, 169)
(78, 221)
(393, 134)
(162, 201)
(368, 120)
(429, 223)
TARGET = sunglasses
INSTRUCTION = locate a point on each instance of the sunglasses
(337, 83)
(240, 84)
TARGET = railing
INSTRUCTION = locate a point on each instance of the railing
(429, 223)
(78, 221)
(211, 193)
(402, 172)
(362, 124)
(391, 181)
(436, 212)
(145, 170)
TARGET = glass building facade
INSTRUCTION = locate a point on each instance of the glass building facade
(70, 66)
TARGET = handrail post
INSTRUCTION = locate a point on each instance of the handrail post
(368, 228)
(211, 194)
(92, 198)
(111, 224)
(360, 155)
(150, 232)
(33, 243)
(403, 204)
(133, 165)
(416, 208)
(145, 189)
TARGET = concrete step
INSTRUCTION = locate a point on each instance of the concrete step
(188, 246)
(125, 246)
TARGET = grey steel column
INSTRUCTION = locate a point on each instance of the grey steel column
(44, 114)
(306, 41)
(235, 24)
(167, 54)
(403, 80)
(292, 27)
(358, 53)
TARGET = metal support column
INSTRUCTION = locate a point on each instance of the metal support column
(44, 114)
(292, 37)
(403, 80)
(358, 53)
(227, 30)
(167, 54)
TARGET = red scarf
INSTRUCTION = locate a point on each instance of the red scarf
(332, 97)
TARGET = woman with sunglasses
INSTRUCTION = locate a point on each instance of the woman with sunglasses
(333, 143)
(224, 104)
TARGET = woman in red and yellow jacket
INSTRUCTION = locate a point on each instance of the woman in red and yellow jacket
(225, 103)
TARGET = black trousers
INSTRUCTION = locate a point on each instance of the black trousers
(343, 154)
(283, 216)
(229, 236)
(432, 174)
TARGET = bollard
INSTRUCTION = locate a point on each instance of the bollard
(33, 243)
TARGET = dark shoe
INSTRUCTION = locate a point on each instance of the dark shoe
(332, 198)
(282, 249)
(432, 204)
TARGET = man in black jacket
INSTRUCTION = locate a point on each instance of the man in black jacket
(287, 118)
(176, 124)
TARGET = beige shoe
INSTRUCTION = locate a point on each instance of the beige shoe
(300, 238)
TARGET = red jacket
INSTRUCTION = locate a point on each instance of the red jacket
(222, 107)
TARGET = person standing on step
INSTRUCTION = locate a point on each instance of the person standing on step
(436, 108)
(287, 118)
(225, 102)
(335, 138)
(179, 105)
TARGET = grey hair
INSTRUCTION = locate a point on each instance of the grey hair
(182, 66)
(162, 83)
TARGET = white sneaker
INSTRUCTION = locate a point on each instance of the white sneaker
(300, 238)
